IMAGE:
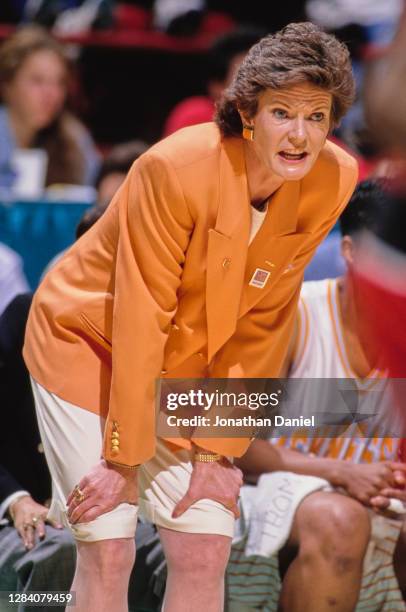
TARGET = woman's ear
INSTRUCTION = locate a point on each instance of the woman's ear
(246, 122)
(247, 126)
(347, 250)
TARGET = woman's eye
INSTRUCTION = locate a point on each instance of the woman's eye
(317, 116)
(279, 113)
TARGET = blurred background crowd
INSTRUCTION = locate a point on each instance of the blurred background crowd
(86, 86)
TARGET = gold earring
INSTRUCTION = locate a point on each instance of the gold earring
(247, 131)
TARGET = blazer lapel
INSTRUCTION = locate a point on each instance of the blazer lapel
(227, 247)
(274, 247)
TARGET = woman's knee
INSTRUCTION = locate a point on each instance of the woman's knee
(111, 557)
(196, 555)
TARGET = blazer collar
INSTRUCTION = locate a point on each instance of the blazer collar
(234, 204)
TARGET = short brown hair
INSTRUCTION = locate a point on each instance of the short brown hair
(300, 52)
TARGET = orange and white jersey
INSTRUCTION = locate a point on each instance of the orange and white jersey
(321, 352)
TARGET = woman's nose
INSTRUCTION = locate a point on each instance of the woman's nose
(297, 134)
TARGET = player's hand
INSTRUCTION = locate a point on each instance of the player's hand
(382, 501)
(366, 481)
(104, 487)
(220, 481)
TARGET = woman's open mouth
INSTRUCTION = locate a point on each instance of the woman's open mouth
(292, 156)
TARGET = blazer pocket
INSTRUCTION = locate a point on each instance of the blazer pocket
(95, 332)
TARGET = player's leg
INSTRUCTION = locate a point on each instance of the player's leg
(330, 535)
(399, 561)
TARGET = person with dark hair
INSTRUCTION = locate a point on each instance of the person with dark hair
(338, 546)
(34, 74)
(28, 540)
(364, 208)
(223, 59)
(194, 271)
(328, 261)
(112, 173)
(115, 167)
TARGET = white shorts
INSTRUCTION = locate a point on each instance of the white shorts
(73, 438)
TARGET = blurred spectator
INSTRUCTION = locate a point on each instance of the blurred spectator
(27, 557)
(180, 17)
(71, 16)
(20, 453)
(115, 167)
(380, 18)
(12, 278)
(112, 173)
(33, 87)
(224, 58)
(257, 13)
(24, 478)
(385, 93)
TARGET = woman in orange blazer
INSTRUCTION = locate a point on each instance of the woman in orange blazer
(193, 271)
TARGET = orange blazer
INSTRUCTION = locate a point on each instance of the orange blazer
(159, 286)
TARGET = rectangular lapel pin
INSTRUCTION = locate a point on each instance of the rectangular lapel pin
(259, 278)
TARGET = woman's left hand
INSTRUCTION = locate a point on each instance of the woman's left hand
(29, 519)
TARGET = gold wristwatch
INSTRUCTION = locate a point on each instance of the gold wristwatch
(207, 457)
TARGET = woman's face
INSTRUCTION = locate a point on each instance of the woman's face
(290, 127)
(37, 92)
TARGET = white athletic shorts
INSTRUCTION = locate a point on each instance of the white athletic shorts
(73, 438)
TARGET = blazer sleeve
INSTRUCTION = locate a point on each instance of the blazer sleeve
(154, 229)
(259, 346)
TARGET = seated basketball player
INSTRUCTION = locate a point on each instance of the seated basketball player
(324, 563)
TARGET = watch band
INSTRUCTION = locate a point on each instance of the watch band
(206, 457)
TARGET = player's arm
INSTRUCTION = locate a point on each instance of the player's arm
(263, 457)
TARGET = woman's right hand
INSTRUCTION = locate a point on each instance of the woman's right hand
(104, 488)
